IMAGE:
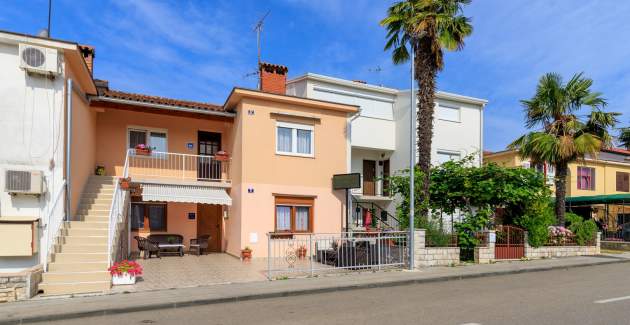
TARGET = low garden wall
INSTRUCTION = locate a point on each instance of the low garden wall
(616, 245)
(20, 286)
(433, 256)
(484, 254)
(562, 251)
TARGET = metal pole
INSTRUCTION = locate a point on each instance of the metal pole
(412, 160)
(49, 15)
(68, 149)
(348, 206)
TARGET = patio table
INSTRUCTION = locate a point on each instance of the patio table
(180, 247)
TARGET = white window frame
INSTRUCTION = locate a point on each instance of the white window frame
(294, 127)
(148, 130)
(459, 113)
(448, 153)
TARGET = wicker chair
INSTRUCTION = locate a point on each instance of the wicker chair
(147, 247)
(199, 244)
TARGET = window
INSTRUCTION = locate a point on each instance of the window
(444, 156)
(586, 178)
(294, 139)
(294, 214)
(148, 216)
(449, 113)
(156, 139)
(623, 182)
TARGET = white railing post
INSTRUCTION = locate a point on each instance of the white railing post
(310, 251)
(269, 256)
(52, 226)
(183, 167)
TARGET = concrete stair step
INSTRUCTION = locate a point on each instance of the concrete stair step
(84, 248)
(67, 277)
(87, 232)
(78, 267)
(80, 257)
(93, 218)
(85, 240)
(88, 225)
(53, 289)
(94, 212)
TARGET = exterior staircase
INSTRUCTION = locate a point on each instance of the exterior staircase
(79, 259)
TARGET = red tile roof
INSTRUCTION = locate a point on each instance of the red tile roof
(618, 150)
(161, 100)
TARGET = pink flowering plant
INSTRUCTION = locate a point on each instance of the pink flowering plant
(131, 267)
(559, 235)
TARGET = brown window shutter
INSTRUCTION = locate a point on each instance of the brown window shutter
(592, 179)
(626, 182)
(619, 182)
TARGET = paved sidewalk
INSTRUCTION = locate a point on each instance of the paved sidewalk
(66, 308)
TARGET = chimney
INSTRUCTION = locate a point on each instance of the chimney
(273, 78)
(88, 55)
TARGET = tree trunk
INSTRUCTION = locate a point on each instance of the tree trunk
(426, 70)
(561, 191)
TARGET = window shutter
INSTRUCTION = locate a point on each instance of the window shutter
(619, 182)
(626, 182)
(592, 170)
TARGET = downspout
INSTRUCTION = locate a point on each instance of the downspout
(68, 149)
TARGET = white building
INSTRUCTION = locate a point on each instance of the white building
(33, 93)
(380, 133)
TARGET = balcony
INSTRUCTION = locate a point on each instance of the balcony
(375, 188)
(168, 166)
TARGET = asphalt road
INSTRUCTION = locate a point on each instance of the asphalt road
(589, 295)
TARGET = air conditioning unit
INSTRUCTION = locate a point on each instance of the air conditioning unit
(23, 182)
(39, 60)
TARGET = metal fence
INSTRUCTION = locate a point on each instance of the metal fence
(169, 165)
(309, 254)
(568, 240)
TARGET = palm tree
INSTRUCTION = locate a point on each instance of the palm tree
(564, 136)
(428, 26)
(624, 138)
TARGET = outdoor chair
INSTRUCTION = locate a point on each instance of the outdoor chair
(198, 245)
(147, 247)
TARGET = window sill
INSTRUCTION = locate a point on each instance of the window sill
(291, 154)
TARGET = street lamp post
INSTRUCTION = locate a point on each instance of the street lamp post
(412, 163)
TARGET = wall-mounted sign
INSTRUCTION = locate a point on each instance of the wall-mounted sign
(190, 145)
(191, 216)
(346, 181)
(250, 190)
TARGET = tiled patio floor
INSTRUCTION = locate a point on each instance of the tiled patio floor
(193, 271)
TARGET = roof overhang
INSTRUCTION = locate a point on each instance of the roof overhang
(598, 199)
(185, 194)
(163, 107)
(344, 82)
(239, 94)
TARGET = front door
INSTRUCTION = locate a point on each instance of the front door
(369, 177)
(209, 222)
(209, 143)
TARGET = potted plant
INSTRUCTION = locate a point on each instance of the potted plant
(100, 170)
(301, 252)
(246, 253)
(222, 155)
(143, 150)
(125, 272)
(171, 240)
(125, 183)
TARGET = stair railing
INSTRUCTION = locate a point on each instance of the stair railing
(391, 222)
(116, 215)
(53, 225)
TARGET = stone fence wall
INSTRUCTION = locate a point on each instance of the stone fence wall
(20, 286)
(432, 256)
(562, 251)
(485, 254)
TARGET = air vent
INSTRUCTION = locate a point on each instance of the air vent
(23, 182)
(39, 60)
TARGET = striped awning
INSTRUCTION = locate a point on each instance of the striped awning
(185, 193)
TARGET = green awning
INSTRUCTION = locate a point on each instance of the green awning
(599, 199)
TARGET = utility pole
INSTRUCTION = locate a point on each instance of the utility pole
(258, 29)
(412, 161)
(49, 15)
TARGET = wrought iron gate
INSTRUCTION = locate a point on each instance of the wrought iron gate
(510, 243)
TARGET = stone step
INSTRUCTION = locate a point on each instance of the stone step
(81, 232)
(67, 277)
(80, 257)
(83, 248)
(94, 212)
(96, 206)
(88, 225)
(85, 240)
(94, 218)
(77, 267)
(54, 289)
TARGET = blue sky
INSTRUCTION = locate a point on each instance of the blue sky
(199, 50)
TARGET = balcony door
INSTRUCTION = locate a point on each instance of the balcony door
(209, 143)
(369, 177)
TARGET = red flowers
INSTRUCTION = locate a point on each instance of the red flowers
(131, 267)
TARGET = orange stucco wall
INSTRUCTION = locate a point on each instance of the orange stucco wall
(267, 173)
(83, 148)
(112, 125)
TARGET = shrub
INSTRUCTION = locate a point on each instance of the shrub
(584, 230)
(434, 233)
(538, 217)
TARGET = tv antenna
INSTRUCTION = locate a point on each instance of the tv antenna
(378, 71)
(258, 29)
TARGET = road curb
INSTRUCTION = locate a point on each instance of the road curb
(209, 301)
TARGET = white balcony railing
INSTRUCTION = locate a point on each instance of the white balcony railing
(370, 188)
(168, 165)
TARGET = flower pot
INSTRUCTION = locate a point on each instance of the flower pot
(143, 152)
(246, 255)
(123, 279)
(222, 156)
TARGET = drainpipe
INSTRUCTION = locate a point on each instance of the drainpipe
(68, 149)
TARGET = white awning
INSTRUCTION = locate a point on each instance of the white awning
(185, 193)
